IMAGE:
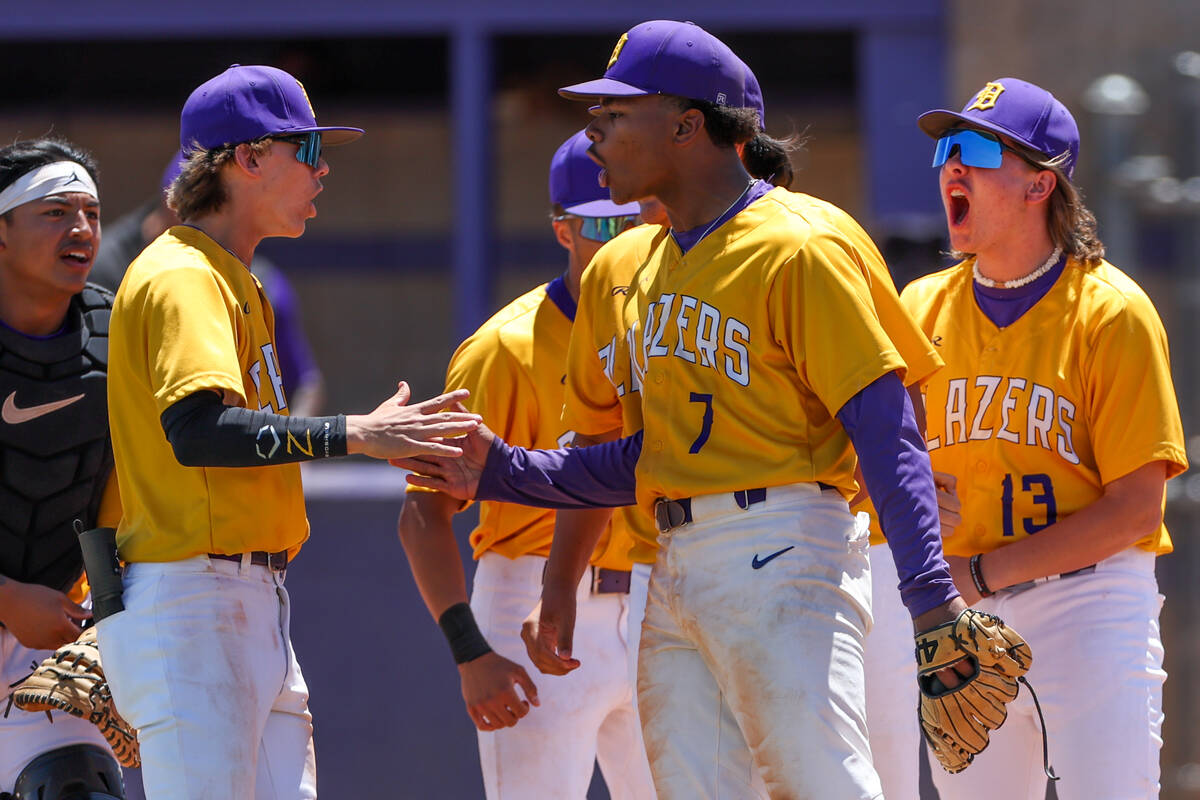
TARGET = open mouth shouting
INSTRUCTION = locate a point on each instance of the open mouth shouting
(958, 206)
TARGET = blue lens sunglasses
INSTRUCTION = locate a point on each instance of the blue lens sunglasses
(603, 229)
(975, 148)
(310, 147)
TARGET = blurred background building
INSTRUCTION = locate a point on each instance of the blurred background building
(439, 215)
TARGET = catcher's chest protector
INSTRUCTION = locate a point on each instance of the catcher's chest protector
(55, 451)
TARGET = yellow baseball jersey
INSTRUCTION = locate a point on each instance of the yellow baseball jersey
(513, 366)
(190, 317)
(1034, 419)
(603, 390)
(919, 354)
(751, 342)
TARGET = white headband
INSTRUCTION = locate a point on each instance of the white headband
(56, 178)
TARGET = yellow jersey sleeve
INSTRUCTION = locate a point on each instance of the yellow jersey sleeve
(1133, 412)
(189, 334)
(822, 315)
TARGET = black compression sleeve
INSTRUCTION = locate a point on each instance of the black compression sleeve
(204, 432)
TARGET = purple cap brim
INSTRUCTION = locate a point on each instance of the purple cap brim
(603, 208)
(935, 123)
(601, 87)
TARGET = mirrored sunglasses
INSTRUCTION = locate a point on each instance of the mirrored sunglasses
(603, 229)
(310, 147)
(975, 148)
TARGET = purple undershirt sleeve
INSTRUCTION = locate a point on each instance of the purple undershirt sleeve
(599, 476)
(896, 469)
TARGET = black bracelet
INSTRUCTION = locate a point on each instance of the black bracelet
(466, 642)
(977, 576)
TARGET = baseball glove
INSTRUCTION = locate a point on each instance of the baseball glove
(72, 680)
(956, 722)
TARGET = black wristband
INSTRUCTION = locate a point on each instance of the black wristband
(977, 576)
(466, 642)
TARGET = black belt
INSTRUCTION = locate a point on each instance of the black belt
(261, 558)
(1020, 587)
(604, 581)
(671, 514)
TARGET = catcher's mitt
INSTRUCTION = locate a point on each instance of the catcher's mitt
(72, 680)
(956, 722)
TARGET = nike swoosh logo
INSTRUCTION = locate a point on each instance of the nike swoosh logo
(15, 416)
(759, 563)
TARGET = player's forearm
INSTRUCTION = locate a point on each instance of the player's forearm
(576, 534)
(895, 466)
(1130, 509)
(426, 533)
(204, 432)
(600, 476)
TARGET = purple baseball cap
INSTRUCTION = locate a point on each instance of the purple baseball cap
(1017, 109)
(667, 57)
(575, 182)
(246, 103)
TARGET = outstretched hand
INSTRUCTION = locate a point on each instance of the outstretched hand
(456, 477)
(398, 430)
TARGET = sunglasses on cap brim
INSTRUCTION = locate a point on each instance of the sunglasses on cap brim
(309, 144)
(975, 148)
(603, 229)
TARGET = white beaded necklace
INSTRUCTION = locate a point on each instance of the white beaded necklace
(1017, 283)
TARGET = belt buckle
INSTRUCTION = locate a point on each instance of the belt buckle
(669, 514)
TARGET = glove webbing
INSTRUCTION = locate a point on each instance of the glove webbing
(1049, 770)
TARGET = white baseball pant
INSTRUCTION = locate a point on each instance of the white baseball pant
(584, 717)
(1097, 670)
(201, 663)
(892, 694)
(24, 735)
(780, 645)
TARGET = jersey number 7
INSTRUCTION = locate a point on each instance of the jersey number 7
(706, 425)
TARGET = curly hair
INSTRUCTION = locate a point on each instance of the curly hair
(199, 189)
(764, 157)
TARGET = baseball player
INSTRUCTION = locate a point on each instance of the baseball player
(58, 463)
(1056, 426)
(759, 595)
(513, 366)
(200, 660)
(602, 393)
(129, 235)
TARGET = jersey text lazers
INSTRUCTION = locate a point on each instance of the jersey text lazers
(701, 334)
(1017, 410)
